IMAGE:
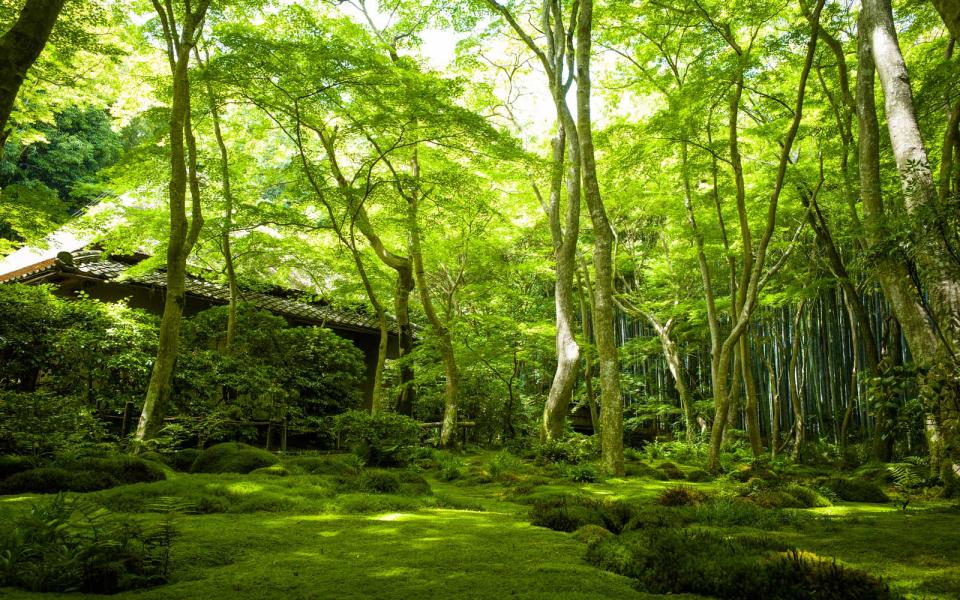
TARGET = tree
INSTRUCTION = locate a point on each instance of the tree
(180, 35)
(20, 47)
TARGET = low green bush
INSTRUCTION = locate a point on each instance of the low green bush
(807, 497)
(856, 490)
(681, 496)
(379, 481)
(672, 561)
(571, 449)
(121, 467)
(182, 460)
(591, 534)
(741, 512)
(413, 484)
(672, 471)
(12, 464)
(232, 457)
(698, 475)
(50, 480)
(381, 439)
(654, 517)
(567, 512)
(331, 464)
(66, 545)
(583, 473)
(276, 470)
(640, 469)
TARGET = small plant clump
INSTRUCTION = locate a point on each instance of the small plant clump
(66, 545)
(681, 496)
(673, 561)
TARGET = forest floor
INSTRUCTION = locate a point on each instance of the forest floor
(300, 536)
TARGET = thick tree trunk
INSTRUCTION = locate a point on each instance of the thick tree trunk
(611, 403)
(584, 294)
(407, 395)
(20, 47)
(938, 266)
(674, 364)
(565, 247)
(448, 428)
(793, 374)
(906, 303)
(750, 387)
(183, 235)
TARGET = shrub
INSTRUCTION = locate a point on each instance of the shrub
(451, 467)
(41, 423)
(45, 480)
(68, 545)
(671, 561)
(572, 449)
(276, 470)
(698, 475)
(569, 513)
(232, 457)
(121, 467)
(584, 473)
(337, 464)
(566, 518)
(381, 439)
(672, 471)
(644, 470)
(590, 534)
(681, 496)
(807, 497)
(654, 517)
(503, 463)
(413, 484)
(378, 481)
(856, 490)
(11, 465)
(182, 460)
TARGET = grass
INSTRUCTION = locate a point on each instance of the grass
(323, 536)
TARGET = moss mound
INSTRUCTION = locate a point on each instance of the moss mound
(232, 457)
(670, 561)
(856, 490)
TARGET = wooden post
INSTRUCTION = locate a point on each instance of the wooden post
(269, 433)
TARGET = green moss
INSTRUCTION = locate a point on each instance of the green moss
(232, 457)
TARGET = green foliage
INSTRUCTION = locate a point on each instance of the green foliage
(672, 471)
(670, 561)
(69, 154)
(68, 545)
(232, 457)
(382, 439)
(856, 490)
(379, 481)
(681, 496)
(565, 512)
(571, 449)
(591, 534)
(82, 474)
(42, 423)
(583, 473)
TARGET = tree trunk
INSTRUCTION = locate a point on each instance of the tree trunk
(20, 47)
(611, 403)
(891, 270)
(183, 235)
(584, 294)
(448, 428)
(796, 402)
(938, 265)
(407, 395)
(750, 387)
(565, 246)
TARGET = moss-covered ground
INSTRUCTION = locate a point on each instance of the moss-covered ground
(301, 535)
